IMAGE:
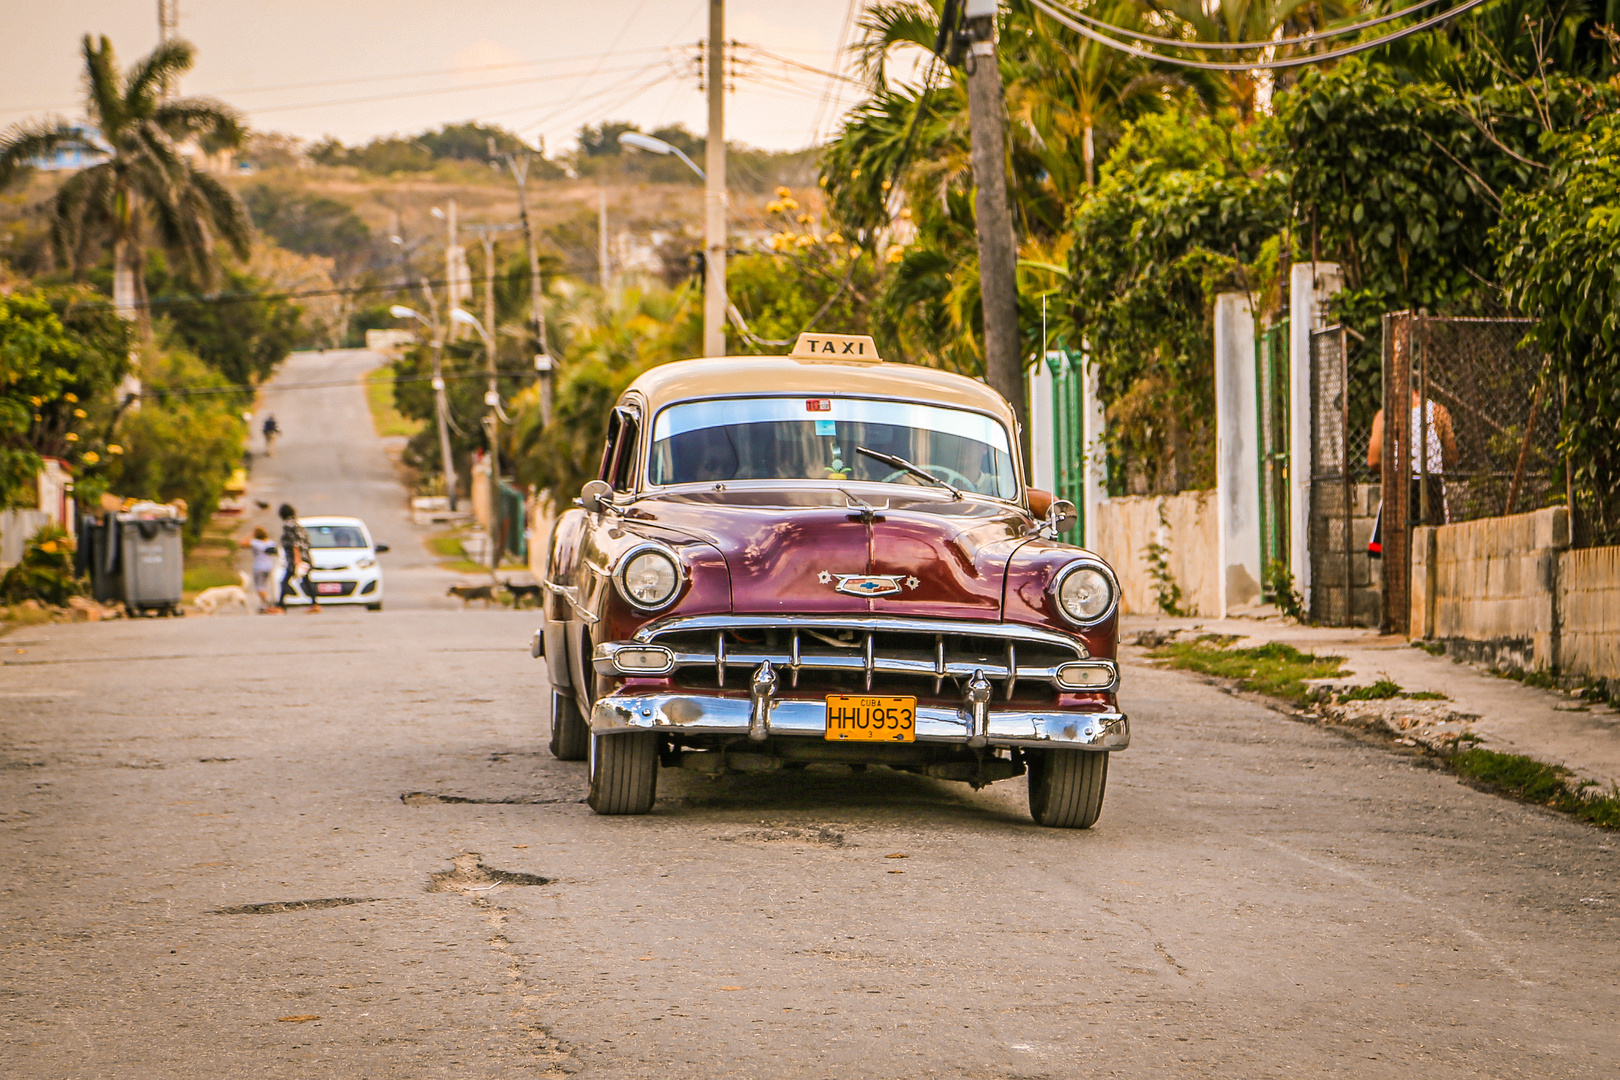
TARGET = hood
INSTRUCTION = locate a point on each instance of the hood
(789, 550)
(336, 558)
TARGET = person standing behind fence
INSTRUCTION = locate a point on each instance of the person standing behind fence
(295, 550)
(1428, 467)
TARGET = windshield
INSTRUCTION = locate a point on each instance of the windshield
(816, 439)
(336, 536)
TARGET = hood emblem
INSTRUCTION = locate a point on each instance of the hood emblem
(868, 584)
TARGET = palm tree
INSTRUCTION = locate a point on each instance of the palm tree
(148, 191)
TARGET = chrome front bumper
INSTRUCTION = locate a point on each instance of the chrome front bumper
(699, 714)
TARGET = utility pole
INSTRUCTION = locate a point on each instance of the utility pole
(441, 417)
(168, 30)
(714, 194)
(998, 252)
(543, 364)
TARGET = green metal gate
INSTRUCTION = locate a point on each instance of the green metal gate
(1271, 388)
(1068, 434)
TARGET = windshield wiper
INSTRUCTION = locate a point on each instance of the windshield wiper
(906, 466)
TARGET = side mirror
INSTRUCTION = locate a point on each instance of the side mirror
(1060, 517)
(596, 496)
(380, 548)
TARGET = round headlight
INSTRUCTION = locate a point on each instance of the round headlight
(1085, 594)
(650, 579)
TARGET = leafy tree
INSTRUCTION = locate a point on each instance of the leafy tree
(1560, 260)
(179, 446)
(149, 191)
(1402, 181)
(1184, 209)
(313, 225)
(62, 353)
(242, 340)
(810, 279)
(609, 341)
(470, 142)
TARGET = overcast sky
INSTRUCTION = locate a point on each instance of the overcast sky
(361, 68)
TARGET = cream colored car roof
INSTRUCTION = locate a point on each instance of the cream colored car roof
(735, 376)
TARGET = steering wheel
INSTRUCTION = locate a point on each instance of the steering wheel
(944, 472)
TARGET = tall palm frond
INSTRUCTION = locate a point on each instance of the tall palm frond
(149, 190)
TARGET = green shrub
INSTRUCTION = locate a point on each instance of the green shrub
(45, 572)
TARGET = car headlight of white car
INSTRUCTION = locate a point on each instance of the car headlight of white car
(365, 562)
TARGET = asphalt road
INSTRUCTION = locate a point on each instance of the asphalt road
(1261, 897)
(327, 461)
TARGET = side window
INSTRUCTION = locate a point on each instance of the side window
(619, 454)
(615, 423)
(624, 463)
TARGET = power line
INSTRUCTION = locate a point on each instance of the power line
(274, 387)
(1234, 46)
(1065, 17)
(396, 95)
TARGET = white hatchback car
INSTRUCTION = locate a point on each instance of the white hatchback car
(345, 567)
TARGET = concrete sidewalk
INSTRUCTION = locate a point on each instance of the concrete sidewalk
(1503, 714)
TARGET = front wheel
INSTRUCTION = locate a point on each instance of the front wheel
(624, 772)
(1066, 787)
(570, 735)
(374, 607)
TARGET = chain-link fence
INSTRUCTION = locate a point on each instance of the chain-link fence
(1470, 430)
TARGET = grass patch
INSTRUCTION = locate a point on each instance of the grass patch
(1533, 781)
(385, 416)
(1433, 648)
(23, 615)
(1385, 689)
(211, 562)
(1275, 669)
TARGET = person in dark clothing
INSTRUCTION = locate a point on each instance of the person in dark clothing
(271, 430)
(295, 552)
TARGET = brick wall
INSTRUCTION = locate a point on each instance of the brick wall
(1185, 526)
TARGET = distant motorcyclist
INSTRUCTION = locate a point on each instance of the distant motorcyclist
(271, 430)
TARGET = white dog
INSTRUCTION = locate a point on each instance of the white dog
(212, 601)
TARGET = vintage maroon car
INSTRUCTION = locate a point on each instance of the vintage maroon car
(826, 558)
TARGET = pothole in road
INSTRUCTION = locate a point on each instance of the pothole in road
(432, 798)
(276, 907)
(472, 877)
(788, 835)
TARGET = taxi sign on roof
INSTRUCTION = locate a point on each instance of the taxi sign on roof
(856, 347)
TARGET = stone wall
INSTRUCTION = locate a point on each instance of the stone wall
(1507, 592)
(1589, 612)
(1185, 527)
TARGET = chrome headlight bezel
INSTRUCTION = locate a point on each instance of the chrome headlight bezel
(631, 556)
(1056, 592)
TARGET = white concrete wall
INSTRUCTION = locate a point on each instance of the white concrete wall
(1237, 454)
(1042, 428)
(1094, 448)
(1186, 525)
(1589, 612)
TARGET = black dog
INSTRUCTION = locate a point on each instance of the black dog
(522, 593)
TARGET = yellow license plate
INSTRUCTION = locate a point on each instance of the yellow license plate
(871, 719)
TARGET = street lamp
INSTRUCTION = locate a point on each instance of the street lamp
(492, 398)
(657, 146)
(441, 408)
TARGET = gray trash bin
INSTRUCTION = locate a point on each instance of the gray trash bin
(151, 556)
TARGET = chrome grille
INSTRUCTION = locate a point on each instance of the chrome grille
(848, 652)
